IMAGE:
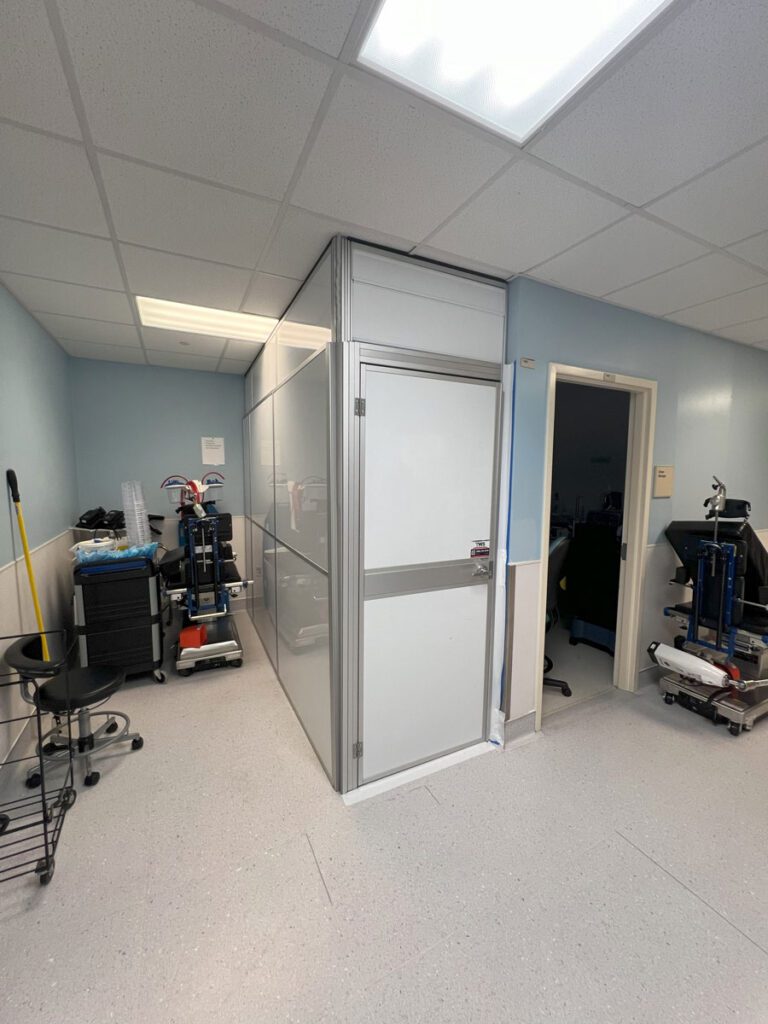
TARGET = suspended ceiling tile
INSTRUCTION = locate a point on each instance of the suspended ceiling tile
(181, 279)
(97, 332)
(731, 309)
(42, 296)
(624, 253)
(180, 86)
(58, 255)
(528, 215)
(753, 249)
(753, 333)
(316, 22)
(165, 211)
(238, 366)
(723, 205)
(303, 236)
(48, 181)
(706, 278)
(270, 295)
(387, 160)
(243, 350)
(186, 361)
(693, 95)
(113, 353)
(182, 342)
(33, 89)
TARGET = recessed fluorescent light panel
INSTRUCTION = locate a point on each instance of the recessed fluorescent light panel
(506, 63)
(179, 316)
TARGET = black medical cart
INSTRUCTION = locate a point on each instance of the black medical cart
(118, 615)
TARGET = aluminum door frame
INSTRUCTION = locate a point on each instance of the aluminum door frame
(360, 355)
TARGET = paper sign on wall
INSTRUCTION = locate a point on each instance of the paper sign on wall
(212, 451)
(663, 481)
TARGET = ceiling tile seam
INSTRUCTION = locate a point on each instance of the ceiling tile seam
(575, 245)
(253, 24)
(707, 170)
(366, 11)
(614, 64)
(186, 256)
(62, 46)
(186, 175)
(78, 316)
(46, 132)
(320, 115)
(515, 158)
(722, 327)
(54, 227)
(71, 284)
(747, 238)
(721, 249)
(564, 175)
(660, 273)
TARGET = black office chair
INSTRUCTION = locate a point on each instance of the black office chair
(558, 550)
(67, 692)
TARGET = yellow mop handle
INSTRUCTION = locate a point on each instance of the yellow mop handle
(13, 484)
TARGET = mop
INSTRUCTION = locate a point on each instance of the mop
(13, 485)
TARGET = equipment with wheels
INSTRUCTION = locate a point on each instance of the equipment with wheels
(31, 820)
(718, 666)
(557, 554)
(201, 577)
(66, 694)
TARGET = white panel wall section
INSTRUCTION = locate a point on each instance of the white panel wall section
(288, 430)
(404, 304)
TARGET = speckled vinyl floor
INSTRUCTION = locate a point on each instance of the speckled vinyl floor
(611, 871)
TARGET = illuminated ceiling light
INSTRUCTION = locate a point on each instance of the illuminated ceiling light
(179, 316)
(506, 63)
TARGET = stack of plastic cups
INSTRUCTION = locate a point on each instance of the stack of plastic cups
(136, 520)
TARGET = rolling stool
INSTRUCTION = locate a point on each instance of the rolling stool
(64, 694)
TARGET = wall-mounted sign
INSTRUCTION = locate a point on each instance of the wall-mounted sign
(663, 481)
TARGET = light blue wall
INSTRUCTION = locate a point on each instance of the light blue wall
(35, 429)
(145, 422)
(712, 414)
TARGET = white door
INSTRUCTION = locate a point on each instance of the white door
(428, 445)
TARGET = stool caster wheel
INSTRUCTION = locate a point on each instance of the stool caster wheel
(185, 672)
(5, 821)
(45, 870)
(159, 676)
(137, 743)
(566, 691)
(33, 780)
(734, 729)
(92, 778)
(235, 663)
(112, 727)
(669, 698)
(548, 664)
(68, 798)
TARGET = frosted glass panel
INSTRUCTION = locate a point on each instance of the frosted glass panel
(306, 326)
(262, 377)
(424, 669)
(262, 473)
(263, 608)
(429, 453)
(304, 656)
(301, 461)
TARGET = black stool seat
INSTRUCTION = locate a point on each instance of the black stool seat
(79, 688)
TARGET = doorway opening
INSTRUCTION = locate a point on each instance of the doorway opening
(589, 464)
(594, 533)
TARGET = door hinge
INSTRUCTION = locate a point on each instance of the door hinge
(359, 407)
(623, 552)
(357, 749)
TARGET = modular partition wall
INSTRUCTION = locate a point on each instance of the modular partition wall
(386, 664)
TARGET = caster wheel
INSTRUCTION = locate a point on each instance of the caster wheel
(112, 727)
(566, 691)
(33, 780)
(572, 641)
(159, 676)
(669, 698)
(734, 729)
(68, 798)
(237, 663)
(5, 821)
(45, 871)
(185, 672)
(548, 664)
(92, 778)
(137, 743)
